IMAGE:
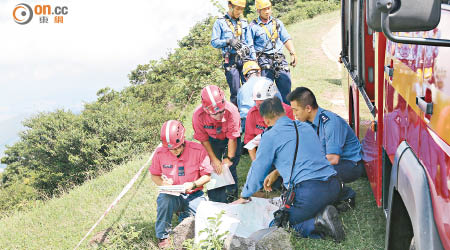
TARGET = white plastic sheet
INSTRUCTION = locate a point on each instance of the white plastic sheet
(241, 220)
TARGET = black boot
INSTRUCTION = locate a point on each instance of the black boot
(328, 223)
(345, 205)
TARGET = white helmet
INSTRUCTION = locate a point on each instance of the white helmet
(264, 89)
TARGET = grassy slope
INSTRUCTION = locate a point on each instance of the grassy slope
(62, 222)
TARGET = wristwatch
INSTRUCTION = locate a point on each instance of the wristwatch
(194, 186)
(230, 158)
(246, 198)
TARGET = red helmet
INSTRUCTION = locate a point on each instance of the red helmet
(172, 134)
(213, 99)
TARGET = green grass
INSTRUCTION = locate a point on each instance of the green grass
(61, 222)
(364, 226)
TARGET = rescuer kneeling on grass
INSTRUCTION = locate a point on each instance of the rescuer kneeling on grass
(339, 142)
(178, 162)
(310, 176)
(269, 37)
(252, 72)
(217, 126)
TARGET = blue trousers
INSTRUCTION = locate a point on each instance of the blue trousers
(348, 171)
(243, 124)
(283, 82)
(310, 198)
(234, 76)
(228, 193)
(185, 205)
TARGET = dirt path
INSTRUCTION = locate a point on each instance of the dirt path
(331, 46)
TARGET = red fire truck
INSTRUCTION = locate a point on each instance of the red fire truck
(397, 83)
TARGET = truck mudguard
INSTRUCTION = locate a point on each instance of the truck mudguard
(409, 179)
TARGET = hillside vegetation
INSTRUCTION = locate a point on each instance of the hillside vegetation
(61, 222)
(60, 150)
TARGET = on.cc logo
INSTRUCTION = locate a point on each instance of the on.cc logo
(22, 13)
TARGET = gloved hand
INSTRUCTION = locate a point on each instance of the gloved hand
(234, 43)
(293, 60)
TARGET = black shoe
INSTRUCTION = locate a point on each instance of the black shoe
(345, 205)
(244, 151)
(328, 223)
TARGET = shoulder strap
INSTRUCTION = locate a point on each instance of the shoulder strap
(318, 128)
(236, 30)
(275, 27)
(323, 118)
(274, 36)
(295, 155)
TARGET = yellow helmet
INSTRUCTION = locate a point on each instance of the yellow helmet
(240, 3)
(261, 4)
(250, 65)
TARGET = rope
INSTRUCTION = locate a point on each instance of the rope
(124, 191)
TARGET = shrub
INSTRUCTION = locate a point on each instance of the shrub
(60, 149)
(17, 196)
(213, 240)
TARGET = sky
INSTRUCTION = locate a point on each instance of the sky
(45, 66)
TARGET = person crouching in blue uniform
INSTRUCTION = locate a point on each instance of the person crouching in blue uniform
(269, 36)
(315, 182)
(340, 144)
(251, 70)
(231, 34)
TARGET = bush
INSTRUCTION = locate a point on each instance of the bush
(305, 9)
(59, 150)
(17, 196)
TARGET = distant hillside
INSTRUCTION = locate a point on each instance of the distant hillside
(9, 130)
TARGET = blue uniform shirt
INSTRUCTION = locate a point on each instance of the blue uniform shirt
(277, 147)
(336, 136)
(260, 38)
(245, 96)
(221, 32)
